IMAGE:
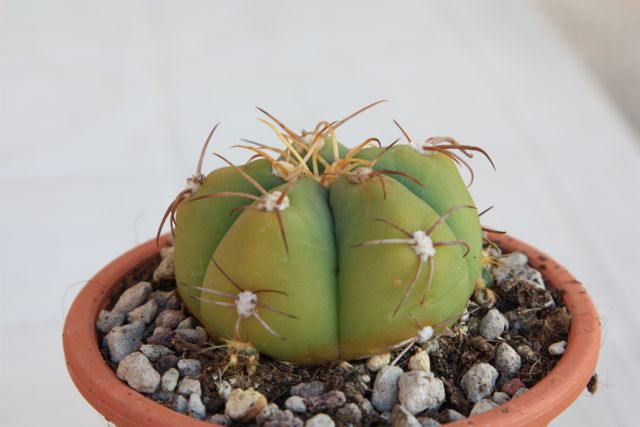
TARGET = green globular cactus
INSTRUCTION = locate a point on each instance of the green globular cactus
(313, 252)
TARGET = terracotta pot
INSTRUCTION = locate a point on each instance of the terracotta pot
(125, 407)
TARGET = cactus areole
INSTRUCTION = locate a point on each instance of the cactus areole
(313, 252)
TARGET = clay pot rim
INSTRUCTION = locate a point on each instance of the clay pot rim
(126, 407)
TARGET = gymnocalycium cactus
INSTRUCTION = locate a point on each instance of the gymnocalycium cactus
(314, 252)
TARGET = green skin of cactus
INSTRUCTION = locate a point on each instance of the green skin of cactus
(342, 296)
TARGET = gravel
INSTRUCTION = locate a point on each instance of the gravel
(401, 417)
(500, 397)
(420, 361)
(170, 380)
(483, 405)
(326, 402)
(196, 408)
(420, 390)
(244, 405)
(493, 324)
(558, 348)
(306, 390)
(189, 386)
(478, 382)
(132, 298)
(189, 367)
(180, 404)
(155, 351)
(506, 360)
(124, 340)
(107, 321)
(385, 388)
(320, 420)
(375, 363)
(169, 319)
(145, 313)
(296, 404)
(139, 373)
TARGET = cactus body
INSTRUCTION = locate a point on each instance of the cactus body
(338, 260)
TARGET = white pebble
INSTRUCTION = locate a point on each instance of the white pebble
(483, 405)
(124, 340)
(385, 388)
(296, 404)
(500, 397)
(558, 348)
(170, 379)
(189, 386)
(139, 373)
(180, 404)
(375, 363)
(493, 324)
(507, 360)
(107, 321)
(420, 361)
(245, 405)
(189, 367)
(420, 390)
(196, 408)
(453, 415)
(155, 351)
(401, 417)
(320, 420)
(224, 389)
(520, 392)
(478, 382)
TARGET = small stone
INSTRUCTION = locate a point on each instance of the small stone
(478, 382)
(189, 367)
(320, 420)
(244, 405)
(385, 388)
(512, 386)
(124, 340)
(167, 362)
(506, 359)
(220, 419)
(349, 414)
(365, 379)
(161, 336)
(154, 351)
(173, 303)
(428, 422)
(138, 372)
(162, 297)
(401, 417)
(375, 363)
(145, 313)
(165, 270)
(500, 397)
(481, 406)
(162, 396)
(170, 380)
(224, 389)
(420, 390)
(306, 390)
(420, 361)
(169, 318)
(189, 386)
(267, 412)
(453, 415)
(493, 324)
(431, 346)
(328, 401)
(367, 406)
(181, 404)
(507, 265)
(296, 404)
(558, 348)
(186, 323)
(527, 352)
(107, 321)
(194, 336)
(196, 408)
(283, 419)
(521, 391)
(132, 298)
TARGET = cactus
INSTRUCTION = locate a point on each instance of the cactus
(314, 252)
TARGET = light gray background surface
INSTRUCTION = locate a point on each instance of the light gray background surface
(104, 105)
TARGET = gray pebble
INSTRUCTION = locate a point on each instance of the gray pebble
(350, 414)
(420, 390)
(124, 340)
(165, 270)
(558, 348)
(170, 380)
(401, 417)
(306, 390)
(506, 359)
(520, 392)
(162, 297)
(180, 404)
(189, 386)
(155, 351)
(189, 367)
(375, 363)
(283, 419)
(107, 321)
(493, 324)
(428, 422)
(481, 406)
(224, 389)
(527, 352)
(328, 401)
(500, 397)
(478, 382)
(196, 408)
(145, 313)
(320, 420)
(187, 323)
(163, 396)
(194, 336)
(132, 298)
(420, 361)
(138, 372)
(268, 411)
(431, 346)
(514, 266)
(385, 388)
(220, 419)
(453, 415)
(167, 362)
(296, 404)
(169, 319)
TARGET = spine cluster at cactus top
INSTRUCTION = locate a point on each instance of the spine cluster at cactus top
(312, 251)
